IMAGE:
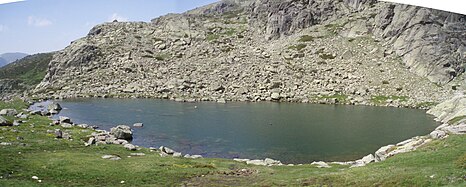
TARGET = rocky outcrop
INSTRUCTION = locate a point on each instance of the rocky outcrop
(450, 109)
(431, 42)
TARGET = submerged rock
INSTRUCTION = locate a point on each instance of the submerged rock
(138, 125)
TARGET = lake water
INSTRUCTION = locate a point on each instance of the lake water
(290, 132)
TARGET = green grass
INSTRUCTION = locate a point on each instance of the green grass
(298, 47)
(59, 162)
(382, 99)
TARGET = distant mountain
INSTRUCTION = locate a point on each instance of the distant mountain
(7, 58)
(3, 62)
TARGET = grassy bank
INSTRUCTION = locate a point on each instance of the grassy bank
(60, 162)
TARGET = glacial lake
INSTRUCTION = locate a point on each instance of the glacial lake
(289, 132)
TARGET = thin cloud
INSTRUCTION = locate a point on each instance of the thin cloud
(38, 22)
(1, 28)
(117, 17)
(9, 1)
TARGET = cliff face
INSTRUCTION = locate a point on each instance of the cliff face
(251, 50)
(431, 42)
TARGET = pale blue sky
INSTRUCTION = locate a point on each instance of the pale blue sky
(34, 26)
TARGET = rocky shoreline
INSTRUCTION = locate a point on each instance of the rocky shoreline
(452, 113)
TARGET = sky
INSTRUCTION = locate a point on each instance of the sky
(36, 26)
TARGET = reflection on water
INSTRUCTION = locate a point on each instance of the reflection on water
(292, 133)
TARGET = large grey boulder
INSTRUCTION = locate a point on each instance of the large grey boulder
(122, 132)
(382, 153)
(450, 109)
(8, 112)
(54, 108)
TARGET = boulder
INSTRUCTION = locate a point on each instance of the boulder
(256, 162)
(321, 164)
(64, 119)
(382, 153)
(275, 96)
(122, 132)
(364, 161)
(166, 150)
(66, 125)
(130, 147)
(270, 161)
(8, 112)
(91, 141)
(438, 134)
(192, 156)
(111, 157)
(5, 122)
(54, 106)
(58, 133)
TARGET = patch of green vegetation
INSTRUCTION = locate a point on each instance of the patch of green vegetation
(334, 27)
(326, 56)
(456, 119)
(381, 99)
(306, 38)
(298, 47)
(28, 72)
(230, 32)
(426, 104)
(161, 57)
(60, 162)
(212, 37)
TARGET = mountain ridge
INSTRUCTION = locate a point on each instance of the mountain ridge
(306, 51)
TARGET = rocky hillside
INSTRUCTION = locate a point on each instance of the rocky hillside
(348, 51)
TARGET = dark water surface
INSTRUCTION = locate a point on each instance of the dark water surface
(290, 132)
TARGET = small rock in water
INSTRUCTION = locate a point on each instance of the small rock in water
(138, 125)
